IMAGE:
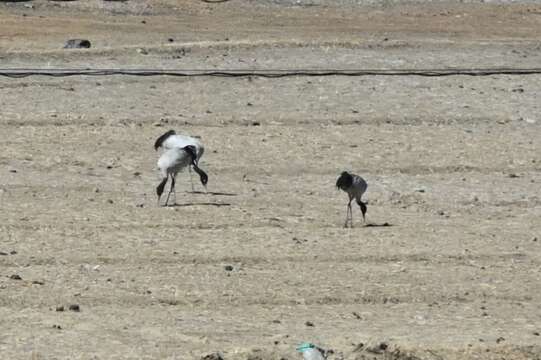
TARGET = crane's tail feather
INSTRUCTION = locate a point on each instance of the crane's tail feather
(160, 187)
(161, 139)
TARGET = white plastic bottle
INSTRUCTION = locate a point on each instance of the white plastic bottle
(310, 352)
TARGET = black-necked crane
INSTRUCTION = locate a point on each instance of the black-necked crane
(355, 186)
(174, 160)
(171, 140)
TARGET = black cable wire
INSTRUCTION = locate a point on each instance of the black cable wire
(276, 73)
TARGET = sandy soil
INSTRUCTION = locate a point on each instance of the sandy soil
(453, 165)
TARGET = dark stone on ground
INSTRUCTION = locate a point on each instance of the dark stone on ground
(77, 44)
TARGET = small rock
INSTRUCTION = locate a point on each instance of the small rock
(13, 252)
(15, 277)
(142, 51)
(256, 123)
(59, 308)
(536, 333)
(379, 349)
(171, 40)
(228, 268)
(57, 327)
(213, 356)
(309, 323)
(3, 253)
(38, 282)
(12, 171)
(513, 175)
(500, 339)
(110, 201)
(77, 44)
(74, 307)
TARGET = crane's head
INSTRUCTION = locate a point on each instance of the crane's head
(202, 176)
(344, 181)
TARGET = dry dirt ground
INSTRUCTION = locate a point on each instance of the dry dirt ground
(453, 165)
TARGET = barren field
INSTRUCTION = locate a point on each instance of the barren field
(262, 262)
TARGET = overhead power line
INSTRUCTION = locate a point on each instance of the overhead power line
(268, 73)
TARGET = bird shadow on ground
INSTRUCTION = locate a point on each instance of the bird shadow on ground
(212, 193)
(385, 224)
(200, 204)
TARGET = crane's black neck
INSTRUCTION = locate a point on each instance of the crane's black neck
(191, 150)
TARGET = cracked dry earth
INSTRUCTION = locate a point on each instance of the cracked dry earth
(261, 262)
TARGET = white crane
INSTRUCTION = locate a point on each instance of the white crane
(174, 160)
(355, 186)
(171, 140)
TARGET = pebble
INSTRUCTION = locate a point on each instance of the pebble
(15, 277)
(228, 268)
(309, 323)
(213, 356)
(75, 307)
(59, 308)
(77, 44)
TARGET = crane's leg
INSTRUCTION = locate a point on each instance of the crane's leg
(159, 189)
(349, 216)
(172, 189)
(191, 178)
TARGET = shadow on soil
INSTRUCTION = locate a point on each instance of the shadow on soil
(385, 224)
(200, 204)
(212, 193)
